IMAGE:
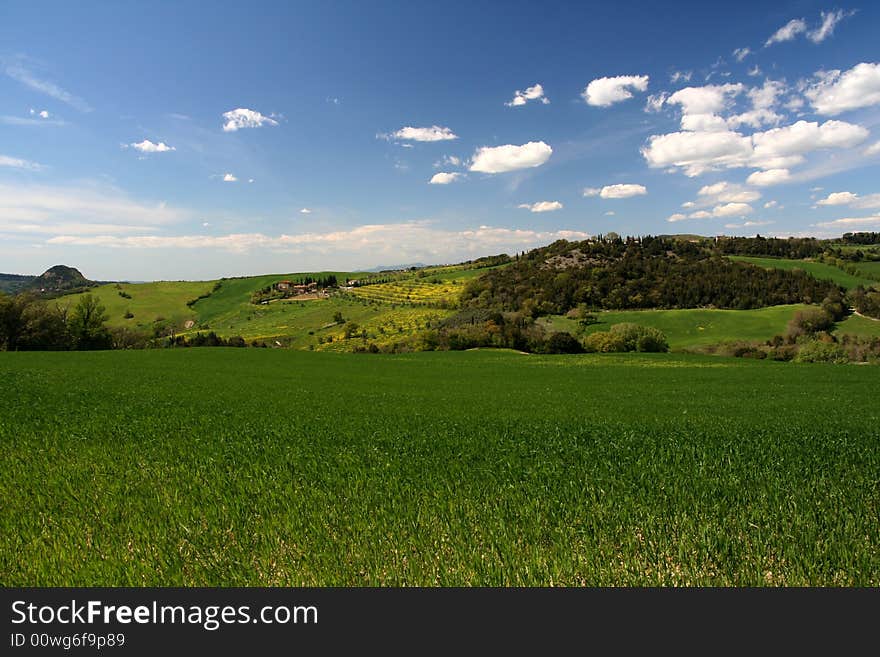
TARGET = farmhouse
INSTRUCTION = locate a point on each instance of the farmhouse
(283, 285)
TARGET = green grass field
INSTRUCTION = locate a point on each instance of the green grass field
(148, 301)
(692, 328)
(816, 269)
(862, 326)
(274, 467)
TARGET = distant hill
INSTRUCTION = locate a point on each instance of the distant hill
(14, 283)
(381, 268)
(59, 280)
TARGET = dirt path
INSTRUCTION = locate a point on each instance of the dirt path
(873, 319)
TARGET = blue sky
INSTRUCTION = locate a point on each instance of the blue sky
(156, 140)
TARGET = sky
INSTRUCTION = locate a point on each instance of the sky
(189, 140)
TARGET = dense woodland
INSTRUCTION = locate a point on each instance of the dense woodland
(637, 273)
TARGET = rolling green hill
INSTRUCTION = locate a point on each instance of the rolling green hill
(818, 270)
(691, 328)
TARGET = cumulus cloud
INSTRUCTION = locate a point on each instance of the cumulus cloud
(245, 118)
(873, 149)
(698, 152)
(852, 200)
(228, 177)
(444, 178)
(500, 159)
(769, 177)
(43, 114)
(709, 99)
(18, 163)
(541, 206)
(770, 204)
(678, 216)
(837, 92)
(732, 210)
(625, 190)
(604, 92)
(433, 133)
(788, 31)
(592, 191)
(531, 93)
(305, 211)
(146, 146)
(725, 192)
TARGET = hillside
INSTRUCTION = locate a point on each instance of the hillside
(14, 283)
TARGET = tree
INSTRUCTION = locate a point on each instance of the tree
(87, 325)
(13, 320)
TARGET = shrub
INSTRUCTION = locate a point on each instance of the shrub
(605, 342)
(562, 343)
(821, 352)
(641, 338)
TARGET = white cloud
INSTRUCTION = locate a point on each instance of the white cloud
(770, 204)
(17, 71)
(413, 240)
(873, 149)
(688, 204)
(625, 190)
(43, 114)
(680, 76)
(749, 224)
(500, 159)
(709, 99)
(741, 53)
(604, 92)
(725, 192)
(229, 178)
(541, 206)
(531, 93)
(146, 146)
(779, 148)
(838, 198)
(803, 137)
(245, 118)
(853, 200)
(610, 213)
(84, 209)
(849, 223)
(678, 216)
(447, 160)
(826, 29)
(655, 102)
(697, 152)
(769, 177)
(703, 123)
(732, 210)
(837, 92)
(754, 72)
(18, 163)
(305, 211)
(250, 180)
(787, 32)
(444, 178)
(434, 133)
(592, 191)
(700, 214)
